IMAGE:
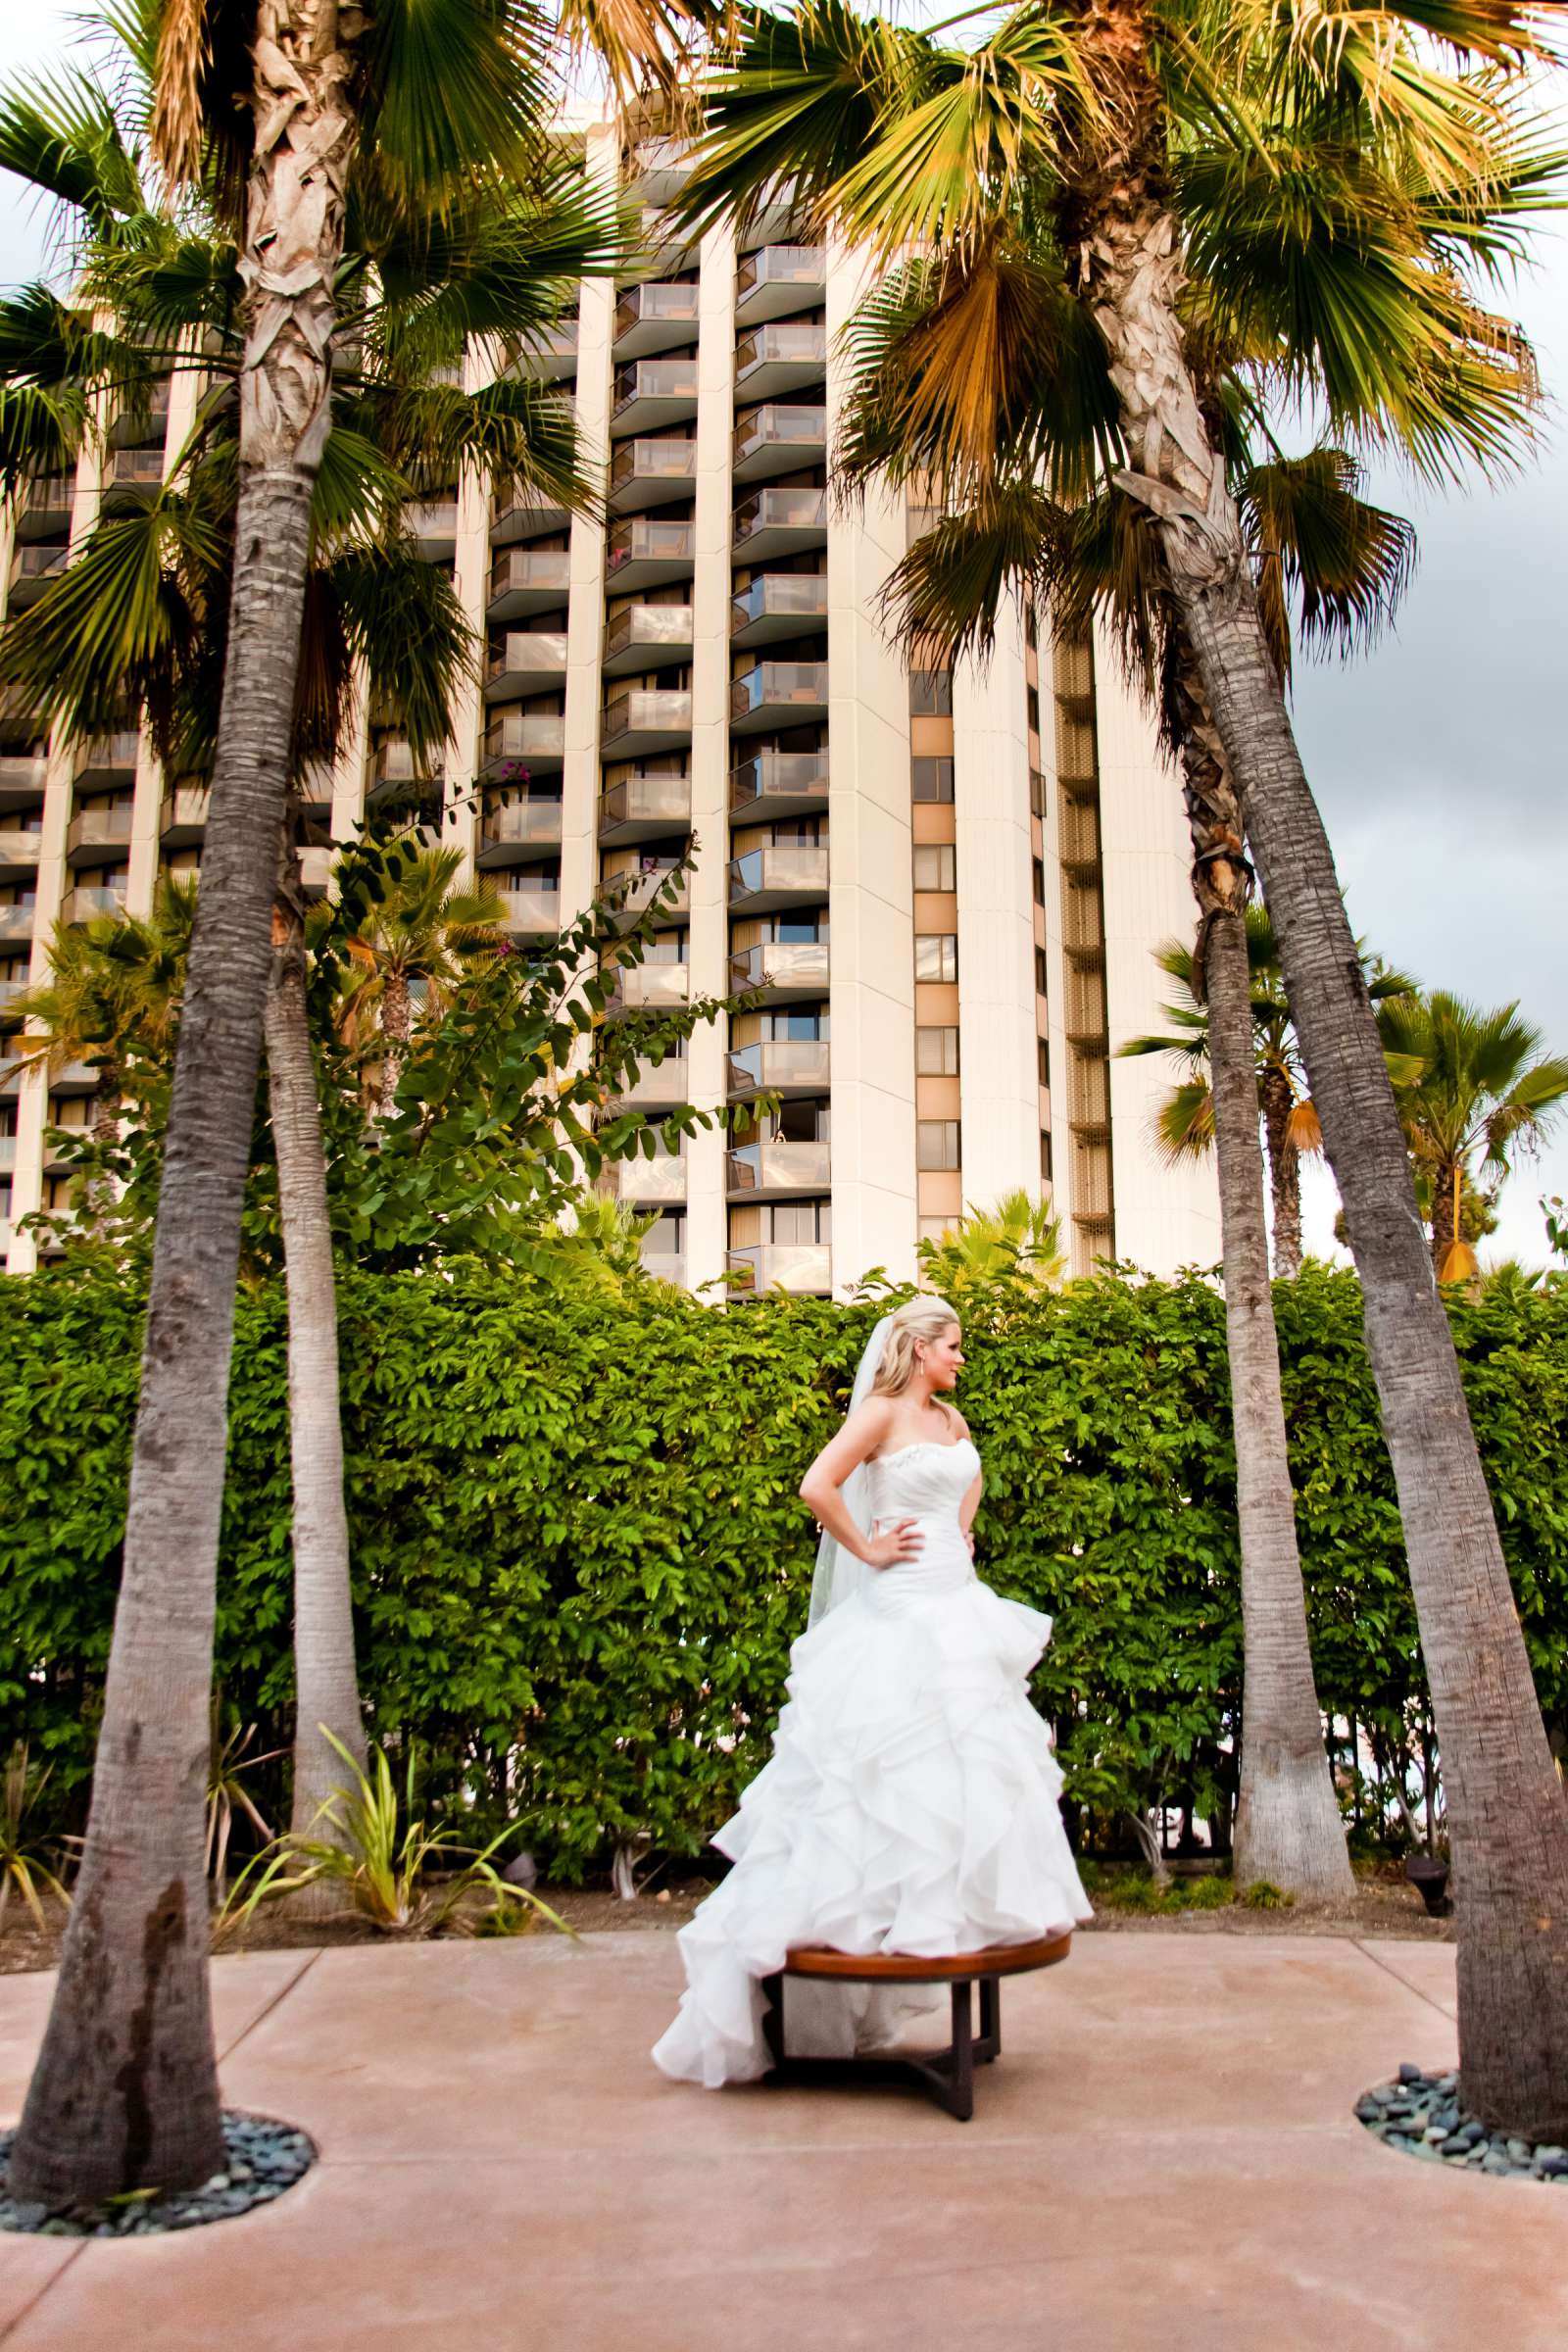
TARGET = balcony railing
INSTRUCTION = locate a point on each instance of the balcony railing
(532, 908)
(649, 987)
(664, 385)
(674, 908)
(525, 515)
(780, 1065)
(524, 578)
(668, 1082)
(779, 522)
(783, 967)
(183, 814)
(791, 689)
(16, 923)
(137, 468)
(658, 631)
(779, 277)
(518, 738)
(776, 437)
(88, 901)
(644, 552)
(99, 829)
(396, 764)
(33, 568)
(112, 754)
(651, 1182)
(652, 316)
(19, 846)
(652, 469)
(782, 358)
(648, 719)
(655, 802)
(521, 824)
(784, 1266)
(22, 775)
(526, 660)
(779, 1167)
(315, 869)
(433, 525)
(765, 877)
(48, 500)
(778, 784)
(778, 604)
(549, 355)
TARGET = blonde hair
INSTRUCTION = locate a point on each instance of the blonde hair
(920, 1319)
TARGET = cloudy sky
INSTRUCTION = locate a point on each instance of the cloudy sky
(1439, 762)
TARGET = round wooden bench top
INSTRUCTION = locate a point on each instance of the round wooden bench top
(916, 1968)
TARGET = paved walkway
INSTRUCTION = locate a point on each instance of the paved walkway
(1163, 2160)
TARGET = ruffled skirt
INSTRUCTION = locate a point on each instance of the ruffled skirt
(909, 1805)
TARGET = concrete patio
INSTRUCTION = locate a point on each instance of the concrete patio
(1163, 2160)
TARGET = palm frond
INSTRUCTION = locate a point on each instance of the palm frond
(60, 134)
(403, 619)
(453, 91)
(1329, 565)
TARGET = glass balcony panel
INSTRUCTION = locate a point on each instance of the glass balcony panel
(806, 1267)
(780, 1065)
(532, 908)
(648, 719)
(649, 987)
(99, 829)
(785, 687)
(652, 1182)
(518, 738)
(649, 628)
(784, 967)
(18, 848)
(767, 877)
(776, 439)
(16, 923)
(529, 579)
(780, 522)
(525, 515)
(780, 1168)
(653, 802)
(521, 824)
(650, 318)
(645, 554)
(668, 1082)
(527, 661)
(89, 900)
(654, 379)
(783, 357)
(183, 814)
(137, 468)
(781, 598)
(111, 756)
(651, 469)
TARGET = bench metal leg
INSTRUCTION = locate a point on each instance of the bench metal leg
(945, 2076)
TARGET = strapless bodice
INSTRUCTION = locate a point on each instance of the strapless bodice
(925, 1481)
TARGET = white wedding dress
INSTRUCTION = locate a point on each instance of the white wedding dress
(909, 1805)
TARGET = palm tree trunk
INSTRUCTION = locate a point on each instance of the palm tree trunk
(124, 2095)
(327, 1685)
(1283, 1174)
(396, 1024)
(1508, 1825)
(99, 1195)
(1447, 1179)
(1288, 1827)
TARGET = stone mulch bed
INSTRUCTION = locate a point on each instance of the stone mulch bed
(1420, 2115)
(263, 2159)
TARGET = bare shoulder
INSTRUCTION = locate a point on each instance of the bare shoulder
(963, 1426)
(870, 1421)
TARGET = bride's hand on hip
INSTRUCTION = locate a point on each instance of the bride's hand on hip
(902, 1541)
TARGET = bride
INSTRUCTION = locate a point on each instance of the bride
(911, 1802)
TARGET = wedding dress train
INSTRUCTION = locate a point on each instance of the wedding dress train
(909, 1805)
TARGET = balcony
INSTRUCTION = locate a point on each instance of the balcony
(647, 636)
(779, 438)
(136, 428)
(527, 661)
(46, 510)
(16, 927)
(779, 522)
(182, 819)
(655, 317)
(645, 554)
(650, 473)
(774, 784)
(525, 515)
(110, 758)
(785, 971)
(526, 580)
(650, 393)
(800, 1266)
(509, 835)
(780, 1065)
(98, 836)
(135, 470)
(433, 525)
(777, 694)
(775, 359)
(674, 908)
(665, 1265)
(658, 169)
(10, 990)
(8, 1154)
(396, 769)
(655, 1087)
(31, 570)
(661, 249)
(532, 908)
(550, 356)
(87, 902)
(765, 879)
(641, 806)
(777, 1171)
(315, 869)
(650, 718)
(776, 280)
(23, 776)
(778, 604)
(522, 739)
(648, 987)
(19, 852)
(652, 1183)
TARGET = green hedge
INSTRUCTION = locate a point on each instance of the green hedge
(577, 1542)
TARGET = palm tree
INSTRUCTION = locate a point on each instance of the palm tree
(420, 939)
(1018, 1236)
(113, 990)
(1291, 1129)
(1124, 201)
(408, 119)
(1467, 1083)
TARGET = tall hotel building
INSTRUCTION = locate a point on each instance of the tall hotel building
(944, 885)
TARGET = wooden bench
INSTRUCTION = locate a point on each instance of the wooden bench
(947, 2076)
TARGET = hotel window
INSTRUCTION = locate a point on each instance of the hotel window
(931, 693)
(936, 955)
(936, 1053)
(1041, 989)
(1043, 1050)
(936, 866)
(1034, 709)
(1045, 1157)
(1038, 881)
(931, 779)
(797, 1221)
(936, 1142)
